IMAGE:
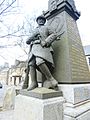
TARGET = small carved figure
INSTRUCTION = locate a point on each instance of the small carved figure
(52, 5)
(40, 55)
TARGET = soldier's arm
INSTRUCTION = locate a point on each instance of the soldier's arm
(33, 37)
(51, 37)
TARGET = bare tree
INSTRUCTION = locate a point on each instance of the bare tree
(14, 35)
(19, 35)
(7, 8)
(27, 28)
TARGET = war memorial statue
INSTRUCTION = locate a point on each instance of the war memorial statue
(72, 100)
(41, 55)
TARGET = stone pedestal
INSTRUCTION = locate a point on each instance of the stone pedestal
(71, 69)
(69, 57)
(39, 104)
(77, 105)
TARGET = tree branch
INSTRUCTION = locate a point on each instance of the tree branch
(7, 7)
(2, 2)
(11, 34)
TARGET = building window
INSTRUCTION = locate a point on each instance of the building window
(89, 60)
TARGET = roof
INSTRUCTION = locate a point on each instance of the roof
(87, 50)
(16, 74)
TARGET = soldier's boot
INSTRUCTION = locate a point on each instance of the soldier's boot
(50, 82)
(34, 82)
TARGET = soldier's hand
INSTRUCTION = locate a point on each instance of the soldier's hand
(36, 42)
(43, 43)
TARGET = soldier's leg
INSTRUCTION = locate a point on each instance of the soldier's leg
(50, 82)
(33, 75)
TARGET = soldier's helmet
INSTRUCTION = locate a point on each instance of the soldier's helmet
(41, 17)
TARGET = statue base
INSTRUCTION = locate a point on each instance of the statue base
(39, 104)
(77, 105)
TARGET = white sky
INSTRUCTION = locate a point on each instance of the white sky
(37, 6)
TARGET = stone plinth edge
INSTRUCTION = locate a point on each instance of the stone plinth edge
(41, 93)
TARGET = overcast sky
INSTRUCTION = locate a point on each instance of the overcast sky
(37, 6)
(82, 5)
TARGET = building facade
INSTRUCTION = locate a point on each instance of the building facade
(16, 73)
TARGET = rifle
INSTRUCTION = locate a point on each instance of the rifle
(26, 81)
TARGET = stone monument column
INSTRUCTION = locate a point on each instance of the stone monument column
(71, 69)
(70, 61)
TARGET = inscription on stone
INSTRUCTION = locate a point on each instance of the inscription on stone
(78, 61)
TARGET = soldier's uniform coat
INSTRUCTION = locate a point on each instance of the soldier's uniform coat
(37, 50)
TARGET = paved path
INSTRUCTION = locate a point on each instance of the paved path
(6, 115)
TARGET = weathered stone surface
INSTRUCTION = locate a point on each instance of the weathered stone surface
(9, 99)
(69, 57)
(41, 93)
(77, 93)
(81, 112)
(30, 108)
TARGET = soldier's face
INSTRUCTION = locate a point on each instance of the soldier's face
(41, 21)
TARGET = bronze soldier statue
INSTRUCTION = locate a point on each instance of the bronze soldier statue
(40, 55)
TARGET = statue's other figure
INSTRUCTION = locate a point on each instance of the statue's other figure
(52, 5)
(40, 55)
